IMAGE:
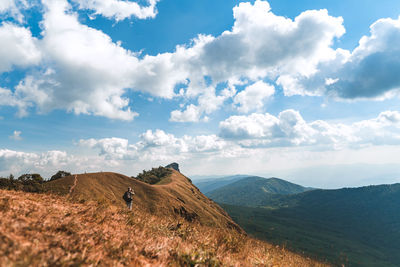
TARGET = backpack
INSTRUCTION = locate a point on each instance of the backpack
(126, 197)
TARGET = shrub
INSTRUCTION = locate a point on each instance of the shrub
(59, 174)
(153, 176)
(26, 182)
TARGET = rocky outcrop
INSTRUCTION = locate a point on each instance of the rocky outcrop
(174, 166)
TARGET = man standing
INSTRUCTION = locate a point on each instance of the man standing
(128, 197)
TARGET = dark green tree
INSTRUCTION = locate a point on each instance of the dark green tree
(154, 175)
(59, 174)
(30, 178)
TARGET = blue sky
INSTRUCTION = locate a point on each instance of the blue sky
(304, 90)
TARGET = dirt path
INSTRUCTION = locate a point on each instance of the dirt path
(73, 186)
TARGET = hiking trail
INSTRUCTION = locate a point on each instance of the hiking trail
(73, 186)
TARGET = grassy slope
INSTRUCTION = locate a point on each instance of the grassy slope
(360, 226)
(253, 191)
(54, 230)
(175, 195)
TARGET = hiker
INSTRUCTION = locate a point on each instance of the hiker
(128, 198)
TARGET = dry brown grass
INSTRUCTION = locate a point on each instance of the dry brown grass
(177, 195)
(52, 230)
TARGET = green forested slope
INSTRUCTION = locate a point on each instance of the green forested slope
(357, 226)
(254, 191)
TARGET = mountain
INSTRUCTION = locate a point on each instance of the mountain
(254, 191)
(350, 226)
(207, 185)
(173, 195)
(82, 221)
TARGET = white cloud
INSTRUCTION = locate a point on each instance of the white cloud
(245, 136)
(87, 73)
(12, 8)
(270, 43)
(83, 71)
(6, 5)
(259, 45)
(253, 97)
(18, 162)
(120, 9)
(111, 148)
(290, 129)
(158, 145)
(369, 71)
(48, 163)
(7, 98)
(16, 136)
(208, 102)
(192, 113)
(17, 47)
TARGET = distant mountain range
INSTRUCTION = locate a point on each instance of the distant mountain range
(254, 191)
(350, 226)
(210, 184)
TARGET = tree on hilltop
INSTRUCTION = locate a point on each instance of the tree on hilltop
(59, 174)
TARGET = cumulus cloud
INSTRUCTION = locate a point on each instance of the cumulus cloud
(192, 113)
(83, 71)
(17, 47)
(158, 145)
(259, 45)
(111, 148)
(24, 162)
(239, 135)
(208, 102)
(86, 72)
(369, 71)
(257, 140)
(119, 9)
(289, 129)
(253, 96)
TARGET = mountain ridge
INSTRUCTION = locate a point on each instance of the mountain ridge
(208, 185)
(175, 195)
(254, 191)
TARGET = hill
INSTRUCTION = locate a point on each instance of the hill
(254, 191)
(83, 222)
(174, 195)
(354, 226)
(208, 185)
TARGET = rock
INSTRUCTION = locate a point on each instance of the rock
(174, 166)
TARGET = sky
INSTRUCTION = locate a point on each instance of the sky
(307, 91)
